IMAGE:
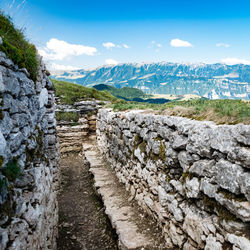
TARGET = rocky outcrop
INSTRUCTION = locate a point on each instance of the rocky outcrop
(192, 177)
(28, 159)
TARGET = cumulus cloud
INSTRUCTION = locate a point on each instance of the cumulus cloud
(111, 61)
(225, 45)
(126, 46)
(58, 50)
(232, 61)
(158, 45)
(180, 43)
(55, 66)
(108, 45)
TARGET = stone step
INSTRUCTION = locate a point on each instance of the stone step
(133, 229)
(71, 149)
(72, 135)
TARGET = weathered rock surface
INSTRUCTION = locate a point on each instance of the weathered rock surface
(28, 159)
(134, 231)
(72, 134)
(191, 176)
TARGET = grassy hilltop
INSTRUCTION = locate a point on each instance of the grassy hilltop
(70, 93)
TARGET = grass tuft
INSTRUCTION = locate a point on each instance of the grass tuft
(67, 116)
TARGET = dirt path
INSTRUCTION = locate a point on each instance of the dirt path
(82, 221)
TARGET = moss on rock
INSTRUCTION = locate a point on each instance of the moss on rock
(230, 196)
(12, 170)
(142, 146)
(223, 214)
(1, 161)
(162, 154)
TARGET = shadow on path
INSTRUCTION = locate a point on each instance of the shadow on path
(82, 221)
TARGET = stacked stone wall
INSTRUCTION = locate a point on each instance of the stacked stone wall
(72, 134)
(192, 177)
(29, 174)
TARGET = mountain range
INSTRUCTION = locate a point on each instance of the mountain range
(213, 81)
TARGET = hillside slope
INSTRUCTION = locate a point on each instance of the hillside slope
(126, 93)
(70, 93)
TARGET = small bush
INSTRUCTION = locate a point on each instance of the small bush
(67, 116)
(16, 47)
(12, 170)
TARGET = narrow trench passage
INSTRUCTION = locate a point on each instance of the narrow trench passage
(82, 221)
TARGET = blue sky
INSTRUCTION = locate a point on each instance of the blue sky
(90, 33)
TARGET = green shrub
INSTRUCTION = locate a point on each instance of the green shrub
(12, 170)
(16, 47)
(67, 116)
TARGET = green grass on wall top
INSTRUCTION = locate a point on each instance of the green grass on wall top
(16, 47)
(219, 111)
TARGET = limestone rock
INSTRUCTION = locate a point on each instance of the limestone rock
(193, 227)
(192, 187)
(43, 97)
(203, 168)
(227, 175)
(240, 242)
(2, 144)
(176, 235)
(212, 244)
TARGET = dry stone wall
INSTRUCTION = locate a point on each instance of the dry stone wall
(192, 177)
(28, 159)
(71, 134)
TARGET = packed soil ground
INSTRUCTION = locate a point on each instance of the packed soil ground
(82, 221)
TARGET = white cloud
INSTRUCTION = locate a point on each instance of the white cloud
(225, 45)
(55, 66)
(126, 46)
(158, 45)
(58, 50)
(232, 61)
(108, 45)
(153, 42)
(111, 61)
(180, 43)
